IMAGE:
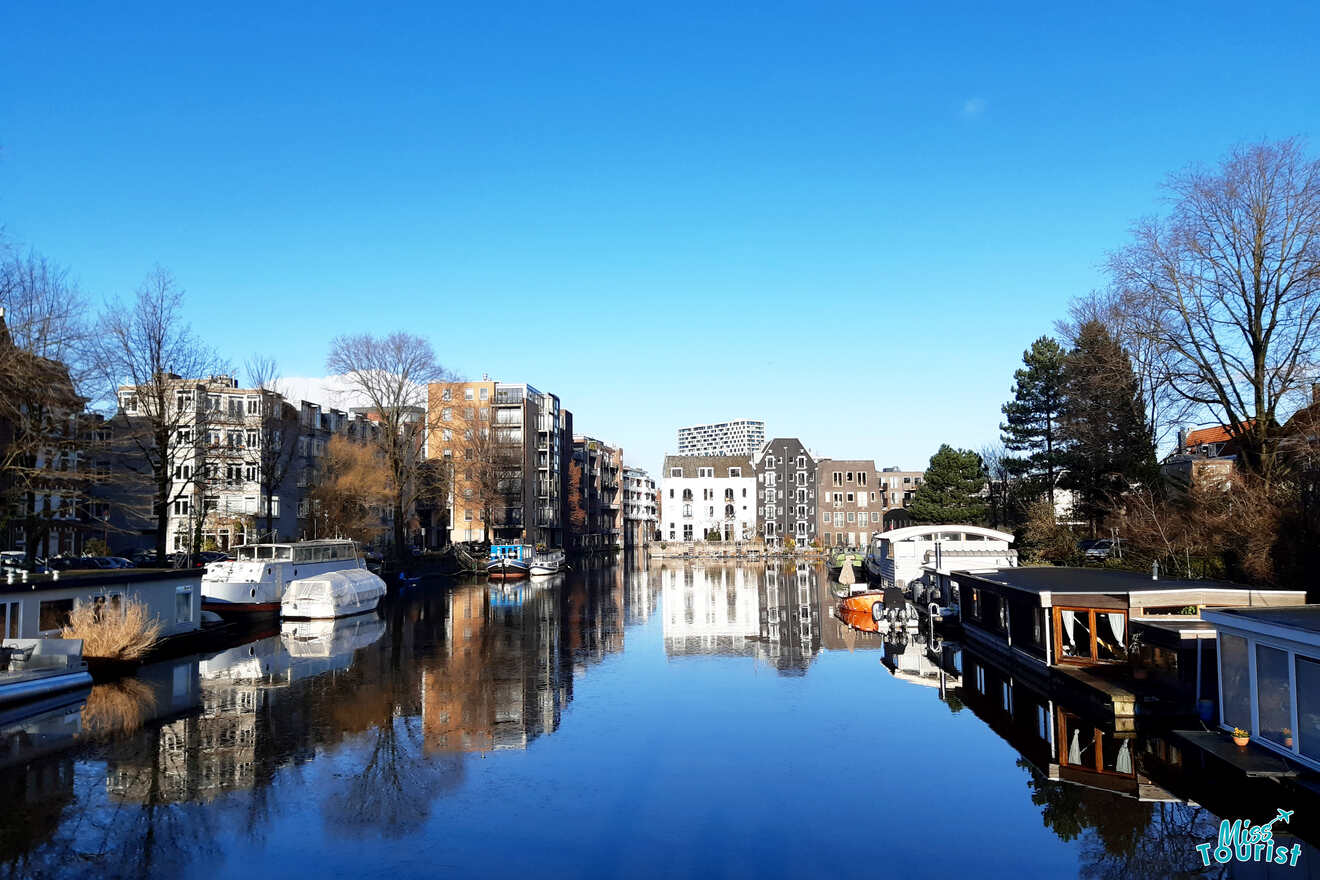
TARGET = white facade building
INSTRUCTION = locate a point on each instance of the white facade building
(738, 437)
(704, 494)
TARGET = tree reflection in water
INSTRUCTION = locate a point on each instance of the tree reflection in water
(1122, 837)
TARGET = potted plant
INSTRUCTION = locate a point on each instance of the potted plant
(1287, 737)
(1241, 737)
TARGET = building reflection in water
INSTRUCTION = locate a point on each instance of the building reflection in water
(770, 612)
(1137, 800)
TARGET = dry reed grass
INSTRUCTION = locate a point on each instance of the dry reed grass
(107, 632)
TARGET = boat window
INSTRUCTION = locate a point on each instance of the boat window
(321, 554)
(1273, 695)
(265, 552)
(1235, 703)
(1308, 719)
(246, 552)
(282, 552)
(302, 554)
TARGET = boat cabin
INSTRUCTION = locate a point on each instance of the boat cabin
(1081, 617)
(897, 556)
(511, 552)
(1269, 677)
(299, 553)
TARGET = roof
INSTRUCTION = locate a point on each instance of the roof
(1294, 621)
(1216, 434)
(721, 464)
(1058, 579)
(913, 533)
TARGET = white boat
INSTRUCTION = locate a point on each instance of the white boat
(255, 580)
(329, 638)
(898, 557)
(547, 562)
(333, 594)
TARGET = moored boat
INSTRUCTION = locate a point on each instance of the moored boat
(887, 604)
(509, 560)
(547, 562)
(846, 556)
(333, 594)
(255, 580)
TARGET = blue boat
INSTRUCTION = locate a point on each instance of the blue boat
(509, 560)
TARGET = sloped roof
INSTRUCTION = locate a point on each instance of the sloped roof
(721, 464)
(1216, 434)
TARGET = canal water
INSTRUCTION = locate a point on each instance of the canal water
(676, 720)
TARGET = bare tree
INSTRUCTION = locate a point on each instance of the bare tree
(277, 435)
(1230, 282)
(46, 440)
(145, 353)
(351, 489)
(996, 459)
(390, 375)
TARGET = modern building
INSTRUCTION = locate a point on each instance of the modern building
(708, 496)
(598, 495)
(851, 500)
(786, 493)
(640, 513)
(737, 437)
(508, 445)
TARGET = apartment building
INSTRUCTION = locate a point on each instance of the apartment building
(898, 487)
(640, 513)
(508, 445)
(736, 437)
(851, 499)
(786, 492)
(599, 494)
(708, 496)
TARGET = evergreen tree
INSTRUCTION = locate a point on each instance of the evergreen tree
(1031, 418)
(952, 490)
(1107, 444)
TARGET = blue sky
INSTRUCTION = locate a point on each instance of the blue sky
(848, 220)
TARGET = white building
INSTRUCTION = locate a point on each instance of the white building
(737, 437)
(639, 507)
(708, 494)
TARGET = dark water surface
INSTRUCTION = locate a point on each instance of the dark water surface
(707, 721)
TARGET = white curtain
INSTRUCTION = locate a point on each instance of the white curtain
(1123, 763)
(1117, 623)
(1074, 749)
(1068, 617)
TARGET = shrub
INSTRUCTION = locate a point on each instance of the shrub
(107, 632)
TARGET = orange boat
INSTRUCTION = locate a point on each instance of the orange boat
(859, 620)
(875, 603)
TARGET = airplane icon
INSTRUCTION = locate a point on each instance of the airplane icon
(1285, 815)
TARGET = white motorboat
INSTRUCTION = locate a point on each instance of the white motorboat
(332, 594)
(255, 580)
(547, 562)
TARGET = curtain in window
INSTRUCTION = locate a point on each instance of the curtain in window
(1074, 747)
(1068, 618)
(1117, 624)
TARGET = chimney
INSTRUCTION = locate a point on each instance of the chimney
(1155, 571)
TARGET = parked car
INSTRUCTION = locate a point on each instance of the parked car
(64, 563)
(206, 557)
(1102, 548)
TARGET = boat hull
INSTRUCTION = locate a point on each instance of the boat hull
(507, 572)
(226, 608)
(328, 610)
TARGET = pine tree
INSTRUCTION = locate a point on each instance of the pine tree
(1031, 418)
(952, 489)
(1107, 444)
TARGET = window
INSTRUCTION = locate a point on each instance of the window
(467, 393)
(769, 461)
(53, 615)
(861, 478)
(801, 461)
(183, 604)
(252, 438)
(1308, 707)
(1090, 635)
(1273, 694)
(850, 498)
(181, 507)
(484, 394)
(675, 472)
(687, 531)
(687, 510)
(705, 472)
(735, 472)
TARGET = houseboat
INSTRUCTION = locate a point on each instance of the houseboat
(1071, 620)
(510, 560)
(254, 582)
(333, 594)
(846, 556)
(1269, 677)
(41, 667)
(896, 557)
(547, 562)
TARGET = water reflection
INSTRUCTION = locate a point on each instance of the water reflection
(770, 612)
